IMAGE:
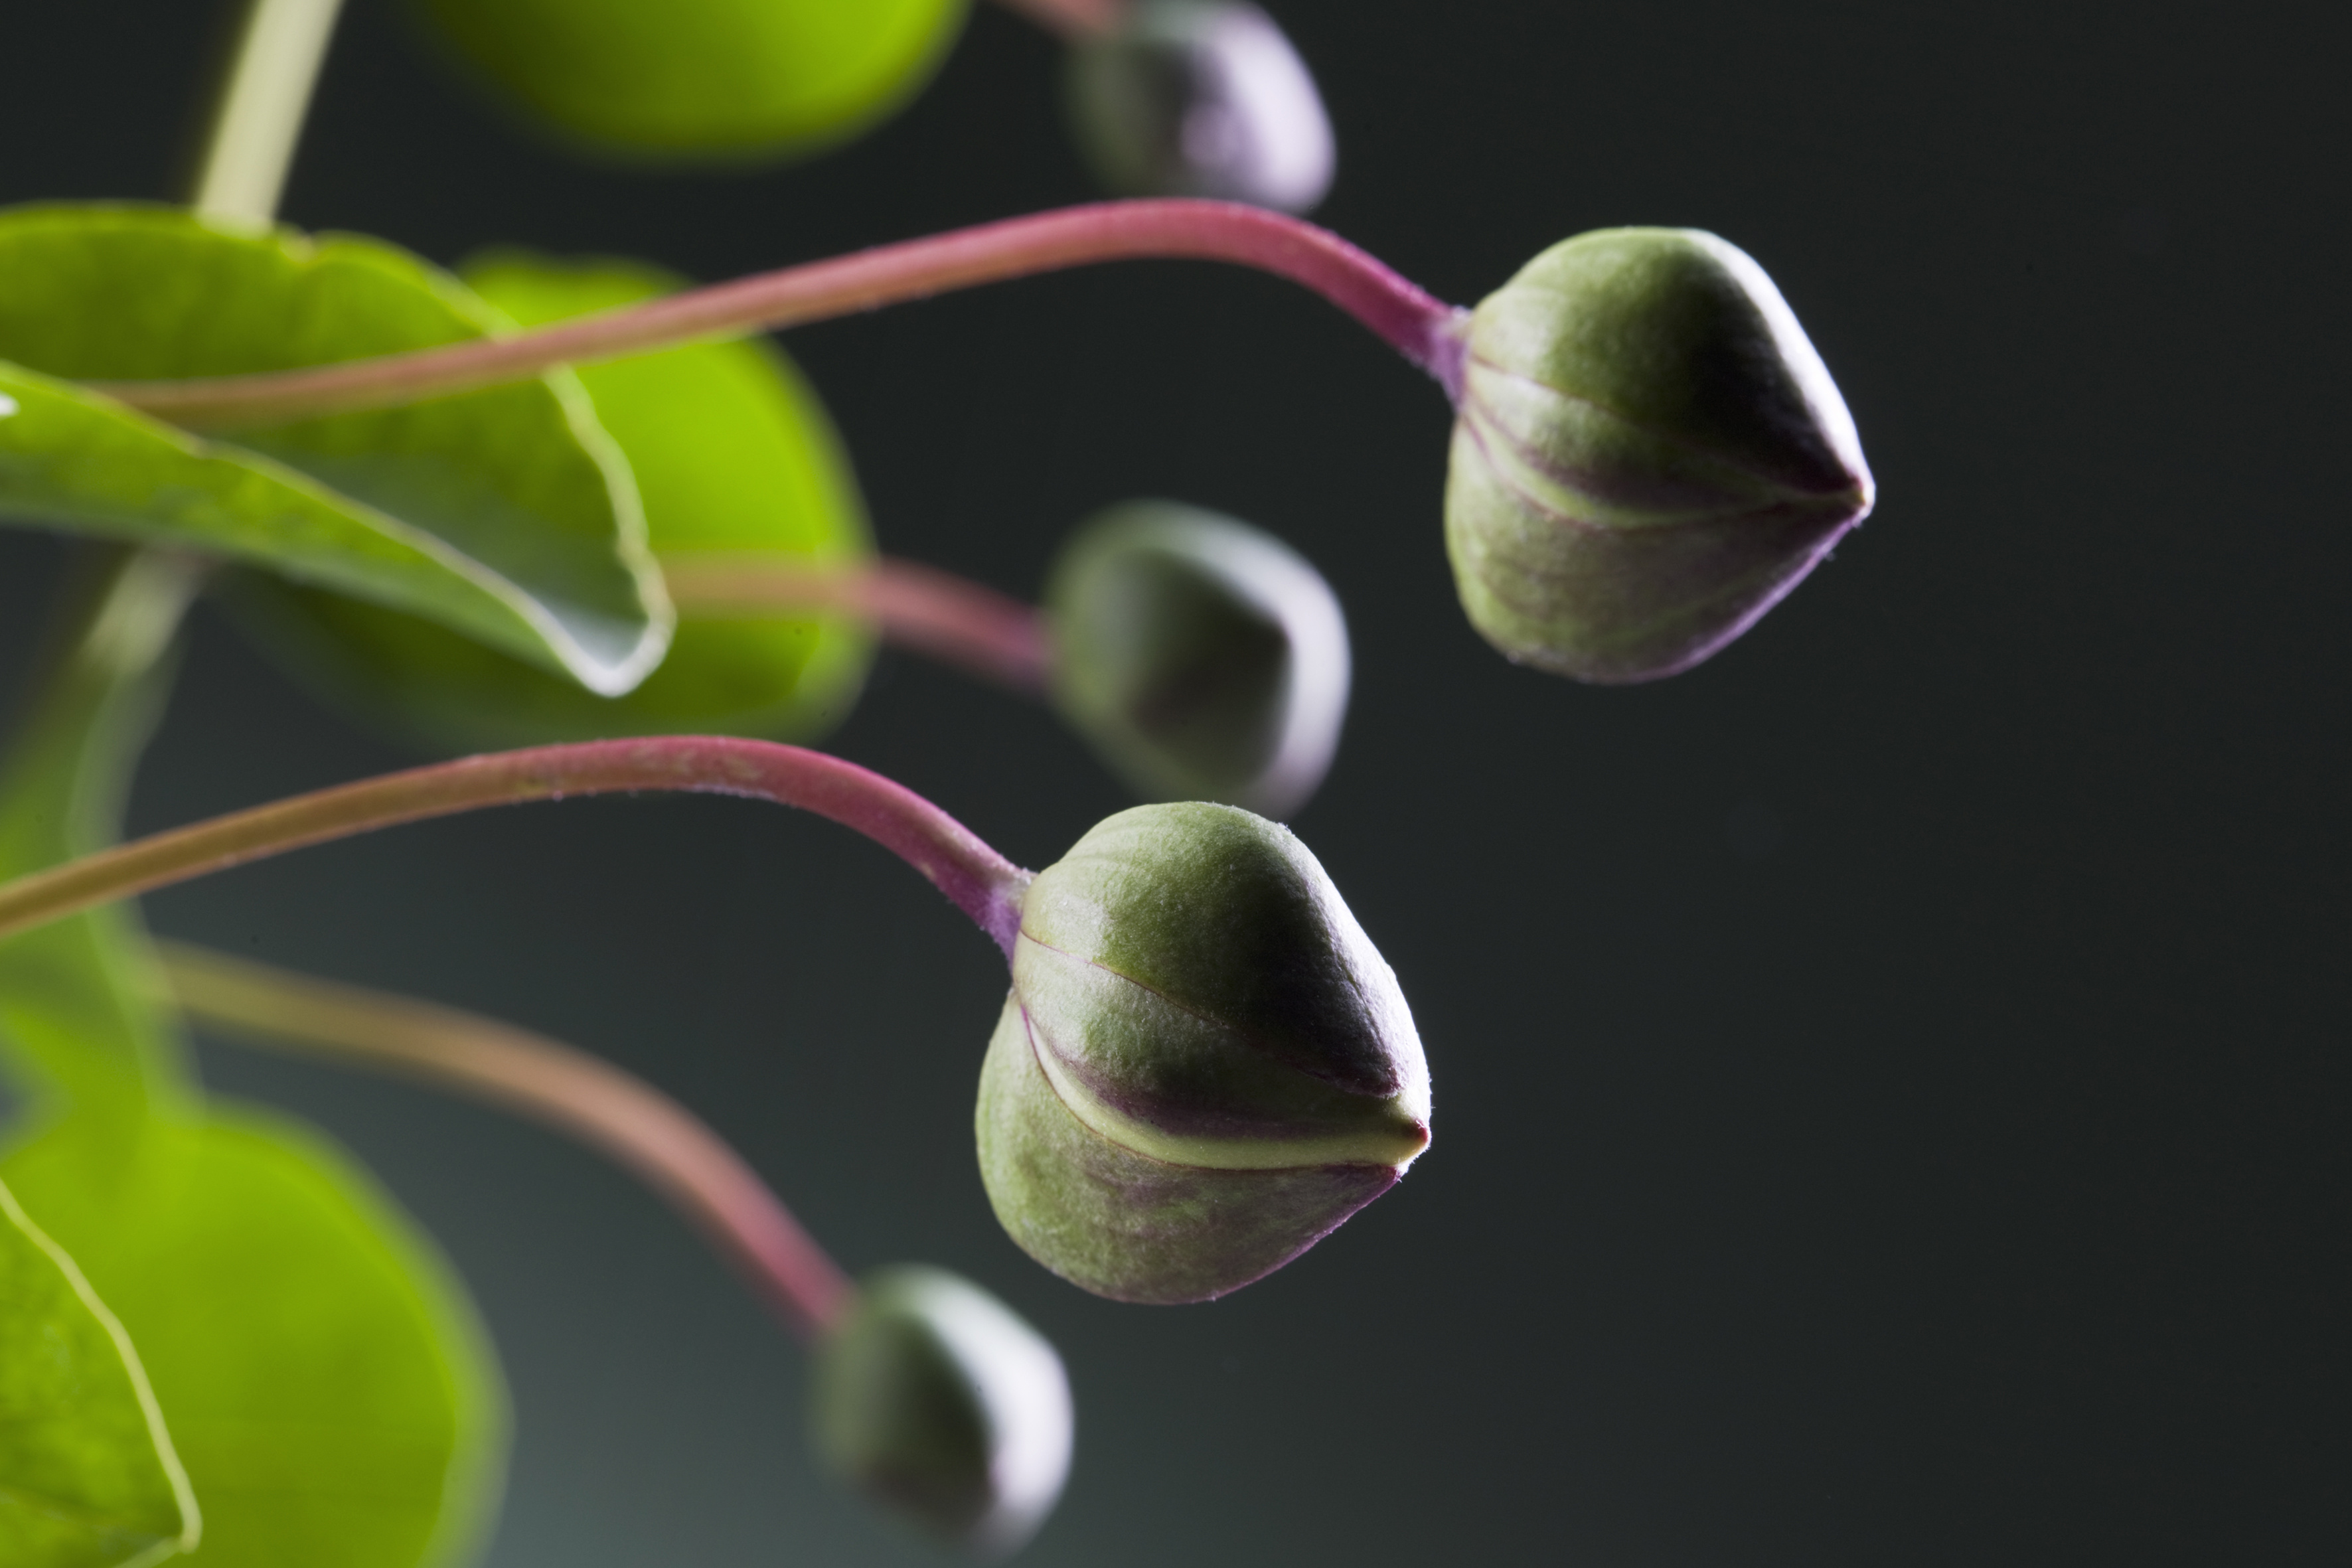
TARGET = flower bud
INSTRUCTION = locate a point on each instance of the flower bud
(1200, 98)
(1205, 1066)
(1204, 658)
(1650, 454)
(932, 1397)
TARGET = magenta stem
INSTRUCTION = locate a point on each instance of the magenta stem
(1071, 18)
(917, 606)
(1422, 328)
(976, 878)
(672, 1149)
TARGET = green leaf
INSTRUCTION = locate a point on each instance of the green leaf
(330, 1390)
(704, 78)
(76, 460)
(331, 1393)
(505, 513)
(88, 1477)
(74, 994)
(732, 452)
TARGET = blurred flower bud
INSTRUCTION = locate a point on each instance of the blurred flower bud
(936, 1400)
(1204, 658)
(1199, 97)
(1205, 1066)
(1650, 454)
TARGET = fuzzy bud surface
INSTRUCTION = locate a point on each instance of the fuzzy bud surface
(1649, 455)
(1204, 1067)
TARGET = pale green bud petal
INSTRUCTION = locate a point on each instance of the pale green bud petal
(1650, 454)
(1200, 98)
(1204, 1067)
(1205, 660)
(934, 1398)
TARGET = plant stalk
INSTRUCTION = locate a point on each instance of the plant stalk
(1422, 328)
(1071, 18)
(945, 617)
(679, 1156)
(263, 101)
(977, 881)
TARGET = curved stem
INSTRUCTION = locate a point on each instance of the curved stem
(550, 1082)
(1423, 329)
(976, 878)
(919, 607)
(1071, 18)
(264, 97)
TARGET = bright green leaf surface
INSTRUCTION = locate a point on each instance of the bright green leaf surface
(88, 1479)
(516, 520)
(76, 460)
(708, 79)
(732, 452)
(330, 1391)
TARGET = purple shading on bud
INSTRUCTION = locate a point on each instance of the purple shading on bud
(1187, 97)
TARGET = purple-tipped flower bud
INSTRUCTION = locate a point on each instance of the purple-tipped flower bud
(934, 1398)
(1204, 658)
(1650, 454)
(1200, 98)
(1205, 1066)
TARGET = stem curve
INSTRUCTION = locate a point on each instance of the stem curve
(1417, 324)
(977, 881)
(616, 1111)
(1072, 19)
(919, 607)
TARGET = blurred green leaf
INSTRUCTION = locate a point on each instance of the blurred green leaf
(331, 1391)
(75, 1006)
(328, 1388)
(733, 453)
(505, 513)
(704, 78)
(88, 1479)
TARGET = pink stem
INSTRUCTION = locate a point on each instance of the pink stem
(1071, 18)
(643, 1129)
(975, 878)
(945, 617)
(1423, 329)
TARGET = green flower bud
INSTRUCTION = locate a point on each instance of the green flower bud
(1204, 658)
(1184, 98)
(935, 1399)
(1650, 454)
(1205, 1066)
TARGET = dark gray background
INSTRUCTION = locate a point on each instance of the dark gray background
(1890, 1083)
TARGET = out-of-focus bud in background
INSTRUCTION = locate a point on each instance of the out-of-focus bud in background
(1649, 455)
(1204, 1067)
(934, 1398)
(1200, 98)
(1204, 658)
